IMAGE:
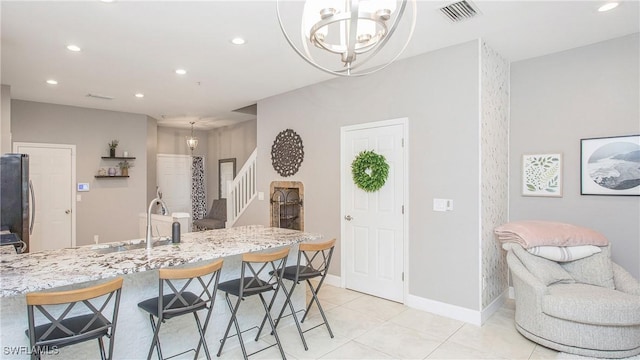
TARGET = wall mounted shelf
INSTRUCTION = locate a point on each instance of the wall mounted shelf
(125, 158)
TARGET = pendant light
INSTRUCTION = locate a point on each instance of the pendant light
(192, 141)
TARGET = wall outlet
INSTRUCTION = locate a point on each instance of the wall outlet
(96, 239)
(484, 283)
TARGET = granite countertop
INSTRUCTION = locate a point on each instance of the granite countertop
(22, 273)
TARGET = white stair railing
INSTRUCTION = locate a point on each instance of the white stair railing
(242, 190)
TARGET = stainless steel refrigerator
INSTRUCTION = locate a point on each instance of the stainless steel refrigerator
(16, 216)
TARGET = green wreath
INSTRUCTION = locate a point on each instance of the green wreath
(370, 171)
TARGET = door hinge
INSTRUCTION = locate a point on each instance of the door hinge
(402, 142)
(402, 209)
(403, 276)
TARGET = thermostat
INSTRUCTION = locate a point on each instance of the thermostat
(83, 186)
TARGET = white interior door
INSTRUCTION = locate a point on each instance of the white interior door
(52, 173)
(174, 181)
(373, 222)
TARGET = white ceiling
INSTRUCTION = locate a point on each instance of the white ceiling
(130, 47)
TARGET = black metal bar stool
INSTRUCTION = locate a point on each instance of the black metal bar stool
(178, 301)
(65, 330)
(255, 265)
(313, 261)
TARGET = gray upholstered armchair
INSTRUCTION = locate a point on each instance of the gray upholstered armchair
(589, 307)
(216, 218)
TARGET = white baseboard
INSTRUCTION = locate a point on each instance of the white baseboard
(494, 306)
(451, 311)
(333, 280)
(456, 312)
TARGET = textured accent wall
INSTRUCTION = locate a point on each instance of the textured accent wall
(494, 150)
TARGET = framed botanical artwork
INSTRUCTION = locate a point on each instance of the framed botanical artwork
(542, 175)
(610, 165)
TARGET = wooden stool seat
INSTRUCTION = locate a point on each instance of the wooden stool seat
(64, 330)
(313, 262)
(180, 302)
(255, 268)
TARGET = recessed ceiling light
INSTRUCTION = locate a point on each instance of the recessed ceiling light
(139, 95)
(106, 1)
(608, 6)
(181, 71)
(74, 48)
(52, 82)
(238, 41)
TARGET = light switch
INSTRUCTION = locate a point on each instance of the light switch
(260, 195)
(442, 205)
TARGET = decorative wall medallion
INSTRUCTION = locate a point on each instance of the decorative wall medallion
(287, 153)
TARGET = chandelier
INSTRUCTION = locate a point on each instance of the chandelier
(192, 141)
(353, 31)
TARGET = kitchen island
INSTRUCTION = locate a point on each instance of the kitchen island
(79, 267)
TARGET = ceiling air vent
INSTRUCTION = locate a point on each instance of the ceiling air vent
(459, 11)
(103, 97)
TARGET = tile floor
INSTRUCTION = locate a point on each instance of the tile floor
(367, 327)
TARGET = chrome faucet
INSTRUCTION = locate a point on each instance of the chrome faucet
(158, 199)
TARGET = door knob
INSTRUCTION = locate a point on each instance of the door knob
(348, 218)
(67, 211)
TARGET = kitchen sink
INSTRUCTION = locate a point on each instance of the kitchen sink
(127, 247)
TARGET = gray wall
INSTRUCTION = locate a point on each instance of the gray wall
(111, 208)
(556, 100)
(236, 141)
(152, 152)
(5, 120)
(439, 93)
(174, 141)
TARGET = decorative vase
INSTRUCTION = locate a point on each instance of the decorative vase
(124, 171)
(112, 171)
(112, 152)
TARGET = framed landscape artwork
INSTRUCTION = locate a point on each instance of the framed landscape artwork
(610, 165)
(542, 175)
